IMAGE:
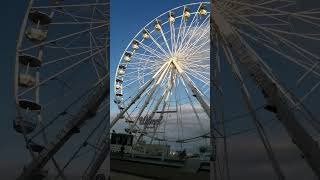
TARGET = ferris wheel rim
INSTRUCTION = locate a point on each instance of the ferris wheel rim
(195, 25)
(144, 28)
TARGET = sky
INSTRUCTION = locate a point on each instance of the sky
(127, 18)
(11, 15)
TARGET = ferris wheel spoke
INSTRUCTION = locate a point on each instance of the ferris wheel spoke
(178, 114)
(189, 36)
(71, 48)
(79, 5)
(264, 37)
(94, 65)
(245, 93)
(288, 5)
(185, 33)
(198, 63)
(182, 21)
(290, 58)
(104, 14)
(268, 72)
(150, 117)
(198, 57)
(312, 90)
(198, 77)
(145, 67)
(74, 17)
(306, 74)
(71, 42)
(257, 38)
(66, 57)
(194, 35)
(132, 73)
(145, 58)
(263, 13)
(196, 42)
(165, 40)
(149, 96)
(153, 51)
(193, 88)
(197, 66)
(193, 107)
(286, 41)
(94, 44)
(172, 37)
(280, 12)
(197, 48)
(144, 55)
(309, 22)
(155, 41)
(139, 93)
(247, 5)
(63, 136)
(141, 60)
(305, 36)
(193, 45)
(270, 16)
(200, 72)
(85, 142)
(199, 54)
(134, 79)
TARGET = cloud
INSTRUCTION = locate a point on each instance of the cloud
(248, 159)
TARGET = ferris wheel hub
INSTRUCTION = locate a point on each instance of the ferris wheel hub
(174, 58)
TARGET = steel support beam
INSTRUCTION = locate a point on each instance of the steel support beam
(193, 88)
(104, 152)
(89, 109)
(141, 91)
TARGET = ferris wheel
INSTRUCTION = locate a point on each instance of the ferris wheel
(161, 85)
(61, 88)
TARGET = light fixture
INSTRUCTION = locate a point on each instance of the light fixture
(121, 70)
(186, 13)
(202, 10)
(157, 25)
(171, 17)
(145, 34)
(135, 44)
(127, 56)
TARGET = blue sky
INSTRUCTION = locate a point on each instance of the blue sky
(11, 16)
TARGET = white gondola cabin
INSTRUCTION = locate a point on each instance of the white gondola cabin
(171, 17)
(186, 13)
(145, 34)
(157, 25)
(127, 56)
